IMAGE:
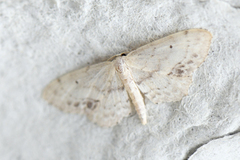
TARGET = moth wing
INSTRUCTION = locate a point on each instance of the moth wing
(95, 90)
(163, 68)
(161, 88)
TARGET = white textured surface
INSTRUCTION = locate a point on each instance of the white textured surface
(220, 149)
(41, 40)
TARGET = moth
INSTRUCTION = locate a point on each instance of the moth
(161, 71)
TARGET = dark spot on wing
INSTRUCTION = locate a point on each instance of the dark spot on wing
(195, 55)
(170, 46)
(89, 105)
(189, 62)
(182, 66)
(76, 104)
(59, 80)
(116, 89)
(76, 82)
(179, 71)
(186, 32)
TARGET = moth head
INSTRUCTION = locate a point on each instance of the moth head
(123, 54)
(119, 55)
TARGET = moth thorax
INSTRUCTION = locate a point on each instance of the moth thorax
(120, 65)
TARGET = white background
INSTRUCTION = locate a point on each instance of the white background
(41, 40)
